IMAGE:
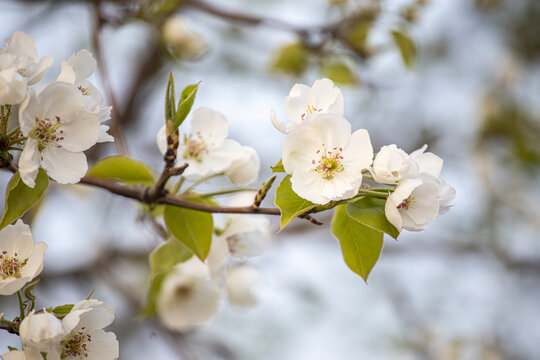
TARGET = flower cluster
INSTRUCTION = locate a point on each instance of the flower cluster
(327, 162)
(190, 294)
(208, 151)
(61, 121)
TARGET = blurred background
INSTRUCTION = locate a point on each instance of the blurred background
(462, 76)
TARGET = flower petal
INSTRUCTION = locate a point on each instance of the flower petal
(64, 166)
(212, 126)
(104, 346)
(29, 162)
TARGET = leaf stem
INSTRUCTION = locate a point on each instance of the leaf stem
(223, 192)
(21, 305)
(375, 194)
(192, 186)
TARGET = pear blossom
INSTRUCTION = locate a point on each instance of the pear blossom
(244, 169)
(241, 281)
(303, 101)
(187, 297)
(427, 162)
(41, 332)
(390, 165)
(325, 159)
(76, 71)
(182, 39)
(20, 259)
(20, 66)
(14, 355)
(84, 337)
(418, 200)
(59, 128)
(206, 148)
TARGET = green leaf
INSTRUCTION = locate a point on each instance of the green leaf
(370, 212)
(20, 198)
(153, 292)
(290, 204)
(168, 254)
(123, 169)
(193, 228)
(170, 103)
(291, 59)
(63, 309)
(360, 245)
(406, 46)
(278, 167)
(186, 102)
(338, 72)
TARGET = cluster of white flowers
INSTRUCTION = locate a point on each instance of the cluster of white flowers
(78, 335)
(326, 161)
(208, 151)
(60, 122)
(190, 294)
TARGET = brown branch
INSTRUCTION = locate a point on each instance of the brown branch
(154, 192)
(116, 127)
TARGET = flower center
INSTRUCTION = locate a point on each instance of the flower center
(405, 204)
(10, 266)
(329, 162)
(48, 132)
(310, 110)
(76, 344)
(83, 90)
(195, 147)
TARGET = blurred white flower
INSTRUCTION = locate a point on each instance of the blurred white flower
(41, 332)
(188, 297)
(20, 259)
(303, 101)
(426, 162)
(19, 67)
(325, 160)
(241, 280)
(14, 355)
(244, 170)
(76, 71)
(59, 128)
(83, 335)
(182, 39)
(414, 203)
(205, 147)
(447, 194)
(390, 165)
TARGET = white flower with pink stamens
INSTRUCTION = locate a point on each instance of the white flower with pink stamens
(59, 128)
(20, 259)
(19, 67)
(303, 101)
(325, 159)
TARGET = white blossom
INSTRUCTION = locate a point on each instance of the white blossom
(325, 160)
(426, 162)
(20, 259)
(59, 128)
(205, 147)
(244, 169)
(84, 337)
(390, 165)
(14, 355)
(19, 67)
(188, 297)
(241, 281)
(178, 34)
(303, 101)
(41, 332)
(76, 71)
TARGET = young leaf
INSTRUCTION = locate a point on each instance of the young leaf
(168, 254)
(290, 204)
(193, 228)
(170, 103)
(20, 198)
(370, 212)
(153, 292)
(278, 167)
(339, 72)
(406, 47)
(123, 169)
(360, 245)
(186, 102)
(291, 59)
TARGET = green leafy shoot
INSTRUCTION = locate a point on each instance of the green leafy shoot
(123, 169)
(185, 103)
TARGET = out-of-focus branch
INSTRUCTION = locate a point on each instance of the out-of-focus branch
(116, 123)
